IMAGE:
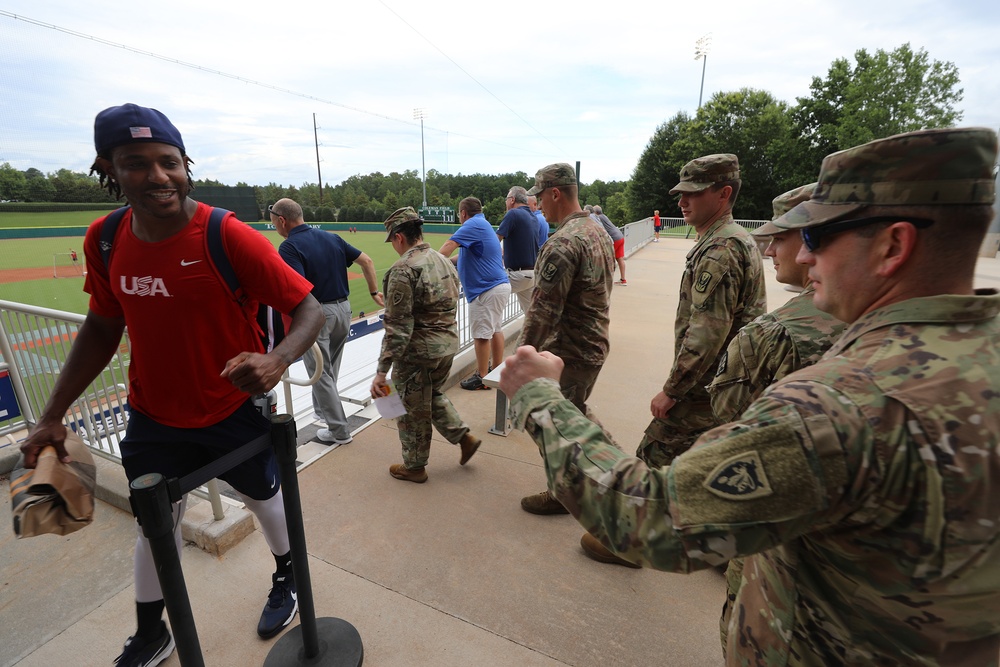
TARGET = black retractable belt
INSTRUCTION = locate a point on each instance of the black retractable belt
(317, 642)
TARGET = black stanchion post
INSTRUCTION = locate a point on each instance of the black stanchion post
(328, 641)
(151, 506)
(285, 443)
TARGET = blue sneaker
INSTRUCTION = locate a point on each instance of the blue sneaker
(282, 603)
(138, 653)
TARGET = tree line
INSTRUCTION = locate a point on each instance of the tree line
(780, 147)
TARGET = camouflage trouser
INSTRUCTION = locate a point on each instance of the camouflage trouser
(666, 439)
(734, 577)
(419, 386)
(576, 383)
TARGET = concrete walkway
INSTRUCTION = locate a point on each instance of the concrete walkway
(451, 572)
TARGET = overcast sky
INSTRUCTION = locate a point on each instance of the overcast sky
(504, 86)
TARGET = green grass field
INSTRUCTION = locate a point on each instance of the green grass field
(60, 219)
(67, 293)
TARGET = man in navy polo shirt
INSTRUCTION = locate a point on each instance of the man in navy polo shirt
(322, 258)
(519, 233)
(485, 283)
(543, 224)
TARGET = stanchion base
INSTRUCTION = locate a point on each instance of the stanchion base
(339, 646)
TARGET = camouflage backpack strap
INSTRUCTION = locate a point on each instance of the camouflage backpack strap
(109, 229)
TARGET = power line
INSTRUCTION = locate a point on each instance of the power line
(242, 79)
(474, 79)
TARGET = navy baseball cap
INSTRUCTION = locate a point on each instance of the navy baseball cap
(130, 123)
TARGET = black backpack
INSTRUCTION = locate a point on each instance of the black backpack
(269, 325)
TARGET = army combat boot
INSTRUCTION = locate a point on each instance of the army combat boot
(469, 444)
(399, 471)
(597, 551)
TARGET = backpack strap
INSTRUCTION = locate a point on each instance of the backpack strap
(109, 228)
(217, 252)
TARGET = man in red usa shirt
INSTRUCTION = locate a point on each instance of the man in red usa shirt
(196, 357)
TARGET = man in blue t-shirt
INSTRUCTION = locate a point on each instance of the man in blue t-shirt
(322, 258)
(543, 224)
(485, 283)
(519, 233)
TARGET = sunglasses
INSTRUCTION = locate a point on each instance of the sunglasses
(271, 211)
(812, 237)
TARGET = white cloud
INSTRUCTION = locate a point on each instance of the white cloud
(504, 91)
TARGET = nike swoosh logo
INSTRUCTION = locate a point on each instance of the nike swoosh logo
(274, 482)
(183, 263)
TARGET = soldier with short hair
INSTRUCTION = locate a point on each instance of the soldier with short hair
(861, 490)
(421, 340)
(569, 310)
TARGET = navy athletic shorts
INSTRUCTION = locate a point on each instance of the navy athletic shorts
(149, 446)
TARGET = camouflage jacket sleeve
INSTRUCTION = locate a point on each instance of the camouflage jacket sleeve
(761, 353)
(715, 293)
(397, 286)
(553, 279)
(741, 489)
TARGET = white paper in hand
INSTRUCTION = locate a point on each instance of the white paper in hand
(391, 405)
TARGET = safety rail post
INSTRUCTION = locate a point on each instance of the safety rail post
(150, 499)
(314, 642)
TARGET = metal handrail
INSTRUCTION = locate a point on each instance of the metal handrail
(33, 345)
(313, 379)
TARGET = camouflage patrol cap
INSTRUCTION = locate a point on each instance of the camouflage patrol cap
(552, 176)
(398, 218)
(783, 204)
(704, 172)
(945, 167)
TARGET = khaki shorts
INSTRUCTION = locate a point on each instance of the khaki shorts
(486, 312)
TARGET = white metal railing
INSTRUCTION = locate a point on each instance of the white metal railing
(34, 343)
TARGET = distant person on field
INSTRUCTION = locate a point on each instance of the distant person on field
(322, 258)
(519, 233)
(419, 345)
(485, 283)
(197, 358)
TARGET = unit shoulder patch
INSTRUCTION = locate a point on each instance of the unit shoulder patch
(549, 271)
(704, 280)
(741, 477)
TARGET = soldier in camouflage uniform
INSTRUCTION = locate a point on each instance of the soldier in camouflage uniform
(784, 340)
(774, 345)
(722, 290)
(421, 339)
(862, 490)
(569, 310)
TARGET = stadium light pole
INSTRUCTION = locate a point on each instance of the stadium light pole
(420, 114)
(701, 48)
